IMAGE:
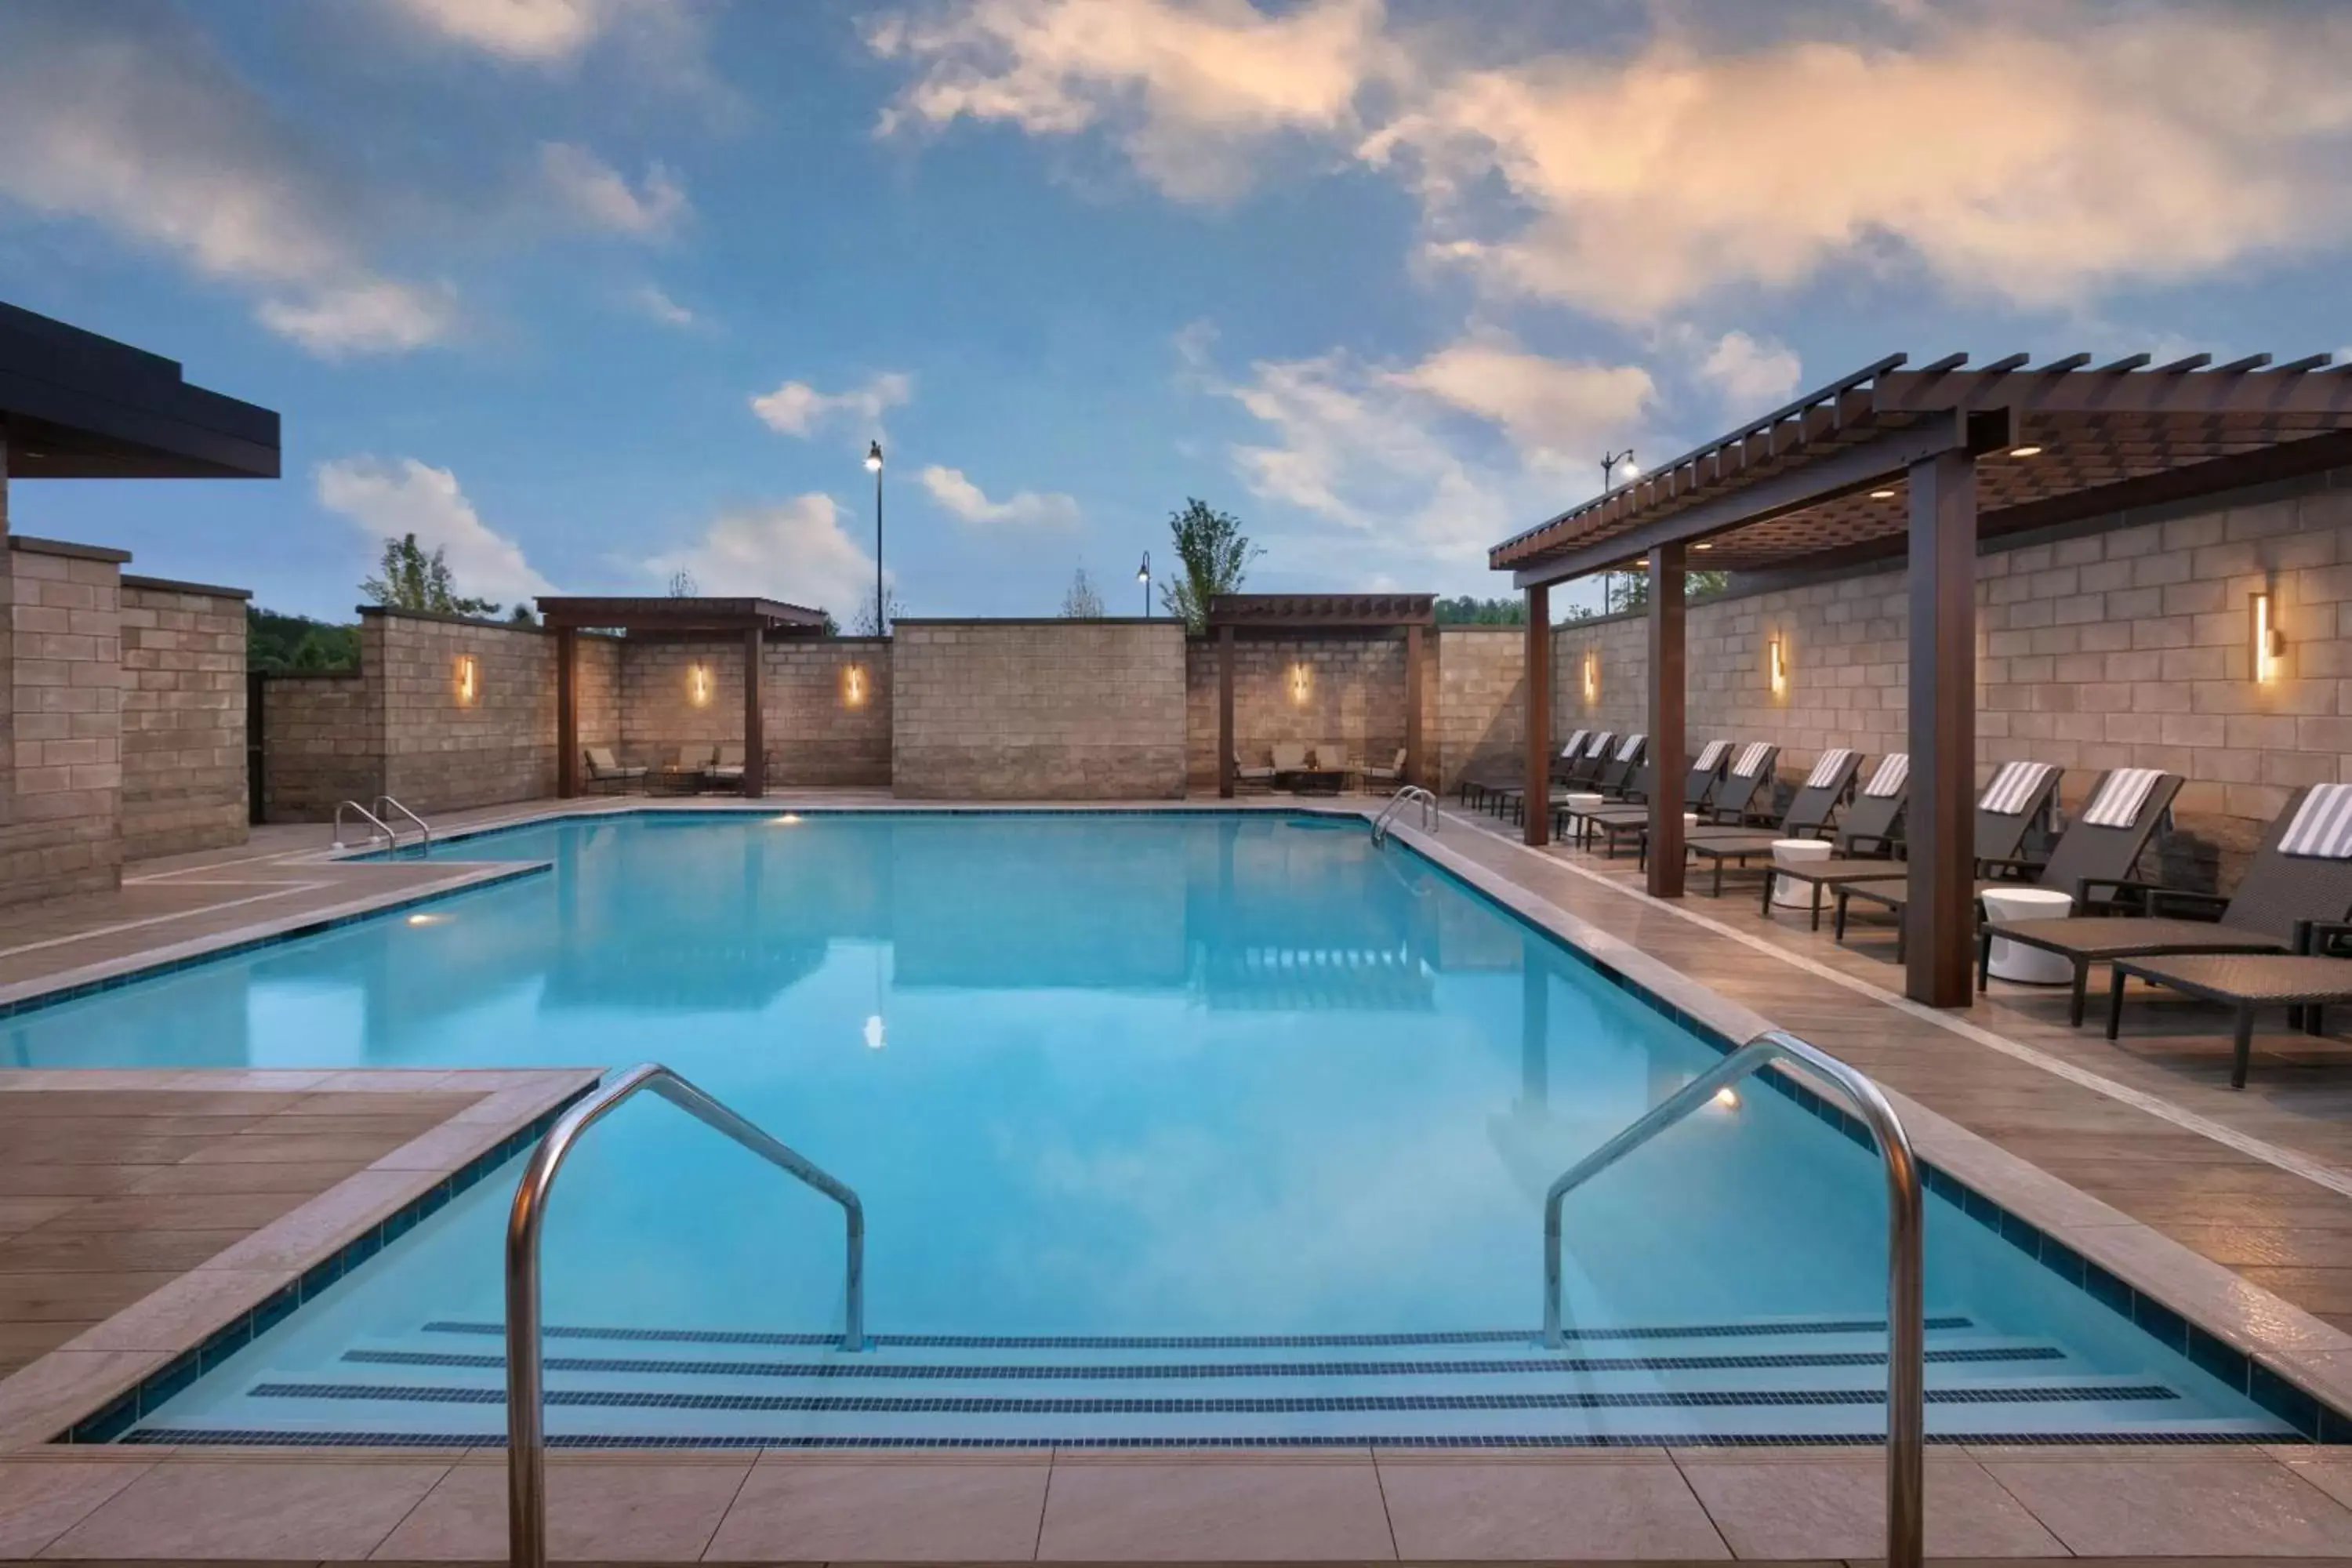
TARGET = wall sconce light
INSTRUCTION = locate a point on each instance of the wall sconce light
(697, 683)
(1776, 665)
(1300, 683)
(853, 686)
(1591, 675)
(469, 680)
(2268, 641)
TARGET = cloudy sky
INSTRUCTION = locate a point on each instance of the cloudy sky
(592, 292)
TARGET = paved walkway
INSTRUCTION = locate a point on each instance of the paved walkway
(2257, 1180)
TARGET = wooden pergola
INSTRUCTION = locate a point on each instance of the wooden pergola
(1924, 463)
(1233, 616)
(753, 620)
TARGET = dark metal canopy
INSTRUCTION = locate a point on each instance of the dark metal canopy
(1288, 614)
(75, 406)
(1821, 481)
(676, 615)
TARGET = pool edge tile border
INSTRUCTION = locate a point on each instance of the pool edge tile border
(2296, 1366)
(91, 1388)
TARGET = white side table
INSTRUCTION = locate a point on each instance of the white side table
(1790, 894)
(1579, 802)
(2013, 961)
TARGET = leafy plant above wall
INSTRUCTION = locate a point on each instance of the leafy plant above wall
(286, 645)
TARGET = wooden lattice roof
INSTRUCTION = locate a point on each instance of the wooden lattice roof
(668, 613)
(1823, 480)
(1278, 613)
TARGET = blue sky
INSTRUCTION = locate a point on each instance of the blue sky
(591, 291)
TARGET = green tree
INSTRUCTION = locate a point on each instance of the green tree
(1213, 555)
(1082, 603)
(279, 644)
(408, 579)
(1631, 589)
(1467, 611)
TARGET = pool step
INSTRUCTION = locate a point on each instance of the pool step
(1807, 1380)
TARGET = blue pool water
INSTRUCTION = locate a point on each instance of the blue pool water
(1169, 1127)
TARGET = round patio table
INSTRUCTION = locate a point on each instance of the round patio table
(1793, 895)
(2013, 961)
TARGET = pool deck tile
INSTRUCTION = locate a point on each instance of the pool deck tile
(1837, 1507)
(885, 1513)
(40, 1501)
(645, 1511)
(1495, 1511)
(313, 1508)
(2183, 1508)
(1237, 1513)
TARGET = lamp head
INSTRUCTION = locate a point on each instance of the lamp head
(1143, 573)
(874, 456)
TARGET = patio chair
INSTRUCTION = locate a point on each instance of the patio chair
(1810, 812)
(1289, 757)
(725, 768)
(1577, 762)
(606, 774)
(1247, 773)
(1393, 773)
(1615, 822)
(1627, 770)
(1750, 776)
(2100, 849)
(2296, 882)
(1866, 840)
(2306, 984)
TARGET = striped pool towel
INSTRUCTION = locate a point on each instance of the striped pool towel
(1711, 755)
(2014, 788)
(1751, 759)
(1600, 745)
(1575, 747)
(1825, 772)
(1632, 748)
(2118, 801)
(1893, 768)
(2323, 825)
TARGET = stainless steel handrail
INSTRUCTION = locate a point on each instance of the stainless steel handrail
(1410, 795)
(422, 826)
(390, 839)
(1907, 1346)
(525, 1413)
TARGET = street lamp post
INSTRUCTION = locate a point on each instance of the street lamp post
(1143, 575)
(874, 462)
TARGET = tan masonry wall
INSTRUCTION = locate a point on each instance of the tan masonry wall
(2129, 648)
(1344, 692)
(62, 830)
(1069, 709)
(184, 764)
(1480, 696)
(322, 741)
(825, 705)
(445, 750)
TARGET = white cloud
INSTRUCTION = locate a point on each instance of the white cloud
(1554, 411)
(1184, 85)
(2036, 155)
(651, 301)
(795, 551)
(138, 126)
(537, 32)
(1752, 376)
(796, 408)
(386, 501)
(600, 196)
(1024, 509)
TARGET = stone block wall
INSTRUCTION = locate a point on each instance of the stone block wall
(443, 749)
(1061, 708)
(2125, 646)
(1480, 697)
(827, 709)
(322, 741)
(183, 767)
(664, 712)
(598, 671)
(62, 830)
(1348, 691)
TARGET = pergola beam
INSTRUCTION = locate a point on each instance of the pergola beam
(1669, 698)
(1538, 800)
(1940, 923)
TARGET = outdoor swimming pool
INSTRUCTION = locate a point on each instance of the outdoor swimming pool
(1168, 1126)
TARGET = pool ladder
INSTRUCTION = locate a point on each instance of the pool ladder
(526, 1405)
(379, 818)
(1410, 796)
(1906, 1352)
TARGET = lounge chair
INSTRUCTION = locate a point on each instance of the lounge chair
(1615, 822)
(1866, 840)
(1289, 757)
(1575, 767)
(2018, 795)
(1246, 773)
(725, 768)
(2288, 888)
(1627, 770)
(1748, 777)
(1392, 774)
(605, 771)
(1808, 816)
(2306, 984)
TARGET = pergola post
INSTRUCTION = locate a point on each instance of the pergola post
(1225, 643)
(1667, 698)
(1941, 929)
(1538, 800)
(567, 711)
(1415, 647)
(755, 739)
